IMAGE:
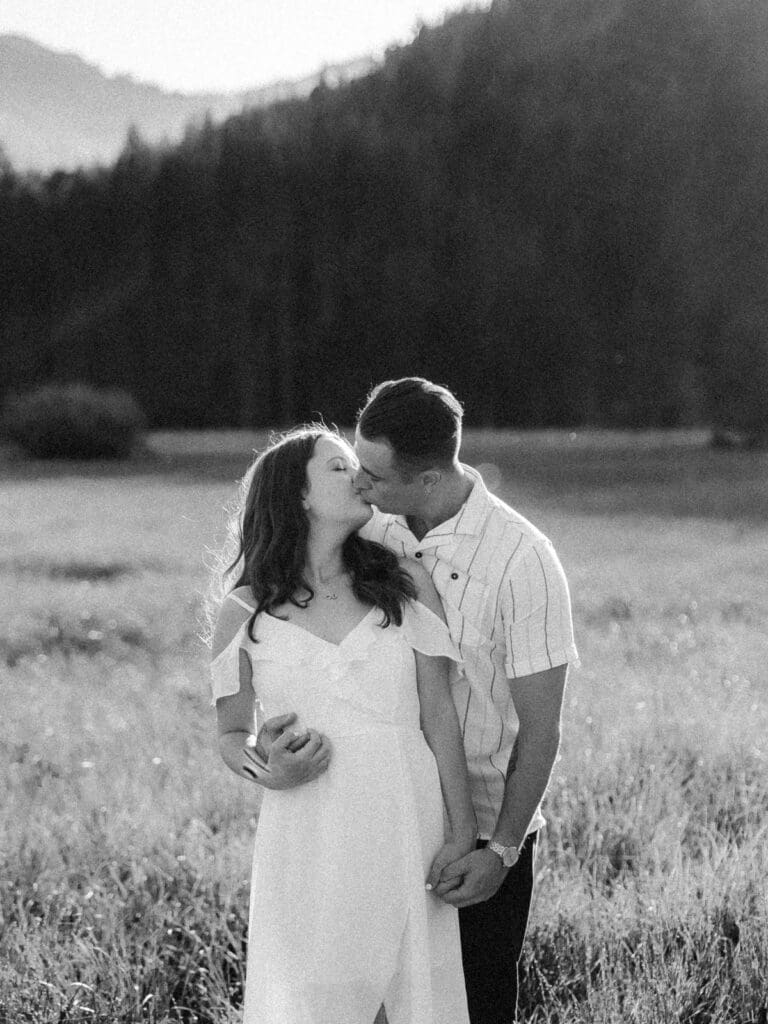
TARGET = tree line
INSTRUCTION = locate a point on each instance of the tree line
(557, 208)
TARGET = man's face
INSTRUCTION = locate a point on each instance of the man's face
(379, 481)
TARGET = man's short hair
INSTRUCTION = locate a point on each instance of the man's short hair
(420, 420)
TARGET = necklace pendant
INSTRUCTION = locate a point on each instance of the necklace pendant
(332, 597)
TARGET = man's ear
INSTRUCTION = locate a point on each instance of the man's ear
(430, 478)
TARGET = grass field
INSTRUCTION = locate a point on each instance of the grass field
(125, 843)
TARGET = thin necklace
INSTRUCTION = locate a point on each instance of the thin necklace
(332, 595)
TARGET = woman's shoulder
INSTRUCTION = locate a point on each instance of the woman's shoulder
(425, 630)
(236, 608)
(426, 593)
(414, 568)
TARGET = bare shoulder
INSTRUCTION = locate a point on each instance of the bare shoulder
(230, 618)
(415, 570)
(426, 593)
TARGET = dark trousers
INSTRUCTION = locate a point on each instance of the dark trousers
(492, 936)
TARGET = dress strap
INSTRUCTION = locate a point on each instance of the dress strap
(240, 601)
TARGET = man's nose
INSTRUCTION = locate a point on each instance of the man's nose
(360, 482)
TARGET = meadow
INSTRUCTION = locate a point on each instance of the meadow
(125, 842)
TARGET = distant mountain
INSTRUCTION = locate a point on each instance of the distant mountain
(58, 111)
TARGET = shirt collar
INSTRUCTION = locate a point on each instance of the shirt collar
(468, 520)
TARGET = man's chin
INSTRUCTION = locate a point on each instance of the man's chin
(387, 511)
(366, 513)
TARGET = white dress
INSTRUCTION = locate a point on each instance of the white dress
(340, 921)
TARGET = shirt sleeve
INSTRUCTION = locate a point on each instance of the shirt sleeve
(536, 613)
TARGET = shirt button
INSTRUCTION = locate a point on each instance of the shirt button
(454, 575)
(418, 554)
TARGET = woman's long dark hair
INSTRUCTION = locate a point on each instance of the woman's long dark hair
(274, 529)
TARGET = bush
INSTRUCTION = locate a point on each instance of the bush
(73, 421)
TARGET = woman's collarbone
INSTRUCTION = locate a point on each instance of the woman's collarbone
(331, 620)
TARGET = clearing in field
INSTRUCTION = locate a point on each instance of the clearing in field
(125, 842)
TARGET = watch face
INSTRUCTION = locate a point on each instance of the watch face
(508, 854)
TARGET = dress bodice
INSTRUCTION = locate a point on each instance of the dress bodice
(367, 679)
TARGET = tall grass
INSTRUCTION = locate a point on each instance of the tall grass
(125, 843)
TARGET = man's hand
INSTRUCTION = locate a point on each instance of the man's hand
(291, 759)
(471, 879)
(270, 731)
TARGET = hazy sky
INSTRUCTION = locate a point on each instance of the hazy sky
(218, 44)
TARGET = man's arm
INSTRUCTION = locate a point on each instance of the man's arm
(538, 700)
(292, 759)
(538, 634)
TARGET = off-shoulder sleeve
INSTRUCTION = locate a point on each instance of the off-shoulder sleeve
(225, 667)
(427, 633)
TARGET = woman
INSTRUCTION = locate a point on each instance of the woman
(333, 627)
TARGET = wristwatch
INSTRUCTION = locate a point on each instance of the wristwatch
(508, 854)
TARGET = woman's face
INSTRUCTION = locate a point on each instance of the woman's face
(330, 495)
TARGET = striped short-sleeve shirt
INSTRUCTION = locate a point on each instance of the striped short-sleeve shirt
(508, 608)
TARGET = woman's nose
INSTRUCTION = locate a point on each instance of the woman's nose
(359, 482)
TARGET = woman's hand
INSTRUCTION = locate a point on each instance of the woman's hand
(473, 879)
(450, 852)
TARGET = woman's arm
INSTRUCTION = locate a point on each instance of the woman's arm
(440, 725)
(292, 759)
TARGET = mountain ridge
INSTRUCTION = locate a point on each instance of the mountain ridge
(60, 111)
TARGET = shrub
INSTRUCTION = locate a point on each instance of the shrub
(73, 421)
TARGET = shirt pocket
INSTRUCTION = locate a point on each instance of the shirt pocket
(466, 600)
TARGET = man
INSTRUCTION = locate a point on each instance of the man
(507, 606)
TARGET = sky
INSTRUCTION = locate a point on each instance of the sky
(219, 45)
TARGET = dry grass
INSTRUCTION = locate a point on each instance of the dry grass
(125, 843)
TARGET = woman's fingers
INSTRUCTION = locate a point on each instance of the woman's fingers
(443, 858)
(434, 872)
(447, 870)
